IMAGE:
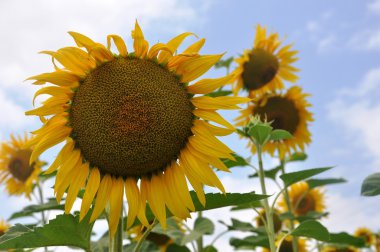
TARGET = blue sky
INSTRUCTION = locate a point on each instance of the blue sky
(339, 45)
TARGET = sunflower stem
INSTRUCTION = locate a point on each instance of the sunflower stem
(145, 235)
(41, 199)
(200, 239)
(116, 242)
(268, 210)
(290, 208)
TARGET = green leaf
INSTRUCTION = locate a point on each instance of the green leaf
(312, 229)
(173, 230)
(322, 182)
(30, 210)
(210, 248)
(219, 93)
(64, 230)
(260, 132)
(298, 156)
(240, 161)
(256, 204)
(202, 226)
(272, 173)
(238, 225)
(279, 134)
(346, 239)
(177, 248)
(224, 63)
(250, 242)
(242, 133)
(294, 177)
(371, 185)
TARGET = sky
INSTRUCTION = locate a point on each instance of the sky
(338, 43)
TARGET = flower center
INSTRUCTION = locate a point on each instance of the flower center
(261, 68)
(131, 117)
(19, 166)
(282, 112)
(305, 205)
(286, 246)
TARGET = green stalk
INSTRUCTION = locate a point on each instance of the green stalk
(268, 210)
(116, 242)
(145, 235)
(290, 208)
(200, 239)
(41, 196)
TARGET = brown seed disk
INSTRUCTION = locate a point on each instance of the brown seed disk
(131, 117)
(19, 166)
(261, 68)
(281, 111)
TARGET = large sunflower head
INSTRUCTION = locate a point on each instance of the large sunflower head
(3, 227)
(287, 111)
(368, 236)
(276, 220)
(287, 245)
(130, 122)
(264, 67)
(16, 172)
(303, 200)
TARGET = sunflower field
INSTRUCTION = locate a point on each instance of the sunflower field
(139, 141)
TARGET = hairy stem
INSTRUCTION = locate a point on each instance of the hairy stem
(145, 235)
(116, 242)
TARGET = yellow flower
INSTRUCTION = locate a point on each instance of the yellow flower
(339, 249)
(366, 234)
(3, 227)
(303, 200)
(15, 170)
(276, 220)
(131, 123)
(287, 111)
(264, 67)
(287, 246)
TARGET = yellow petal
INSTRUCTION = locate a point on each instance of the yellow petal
(102, 197)
(217, 131)
(90, 191)
(156, 198)
(195, 67)
(194, 181)
(142, 206)
(62, 155)
(206, 86)
(116, 203)
(196, 47)
(212, 116)
(206, 102)
(76, 185)
(100, 53)
(159, 47)
(48, 141)
(133, 197)
(82, 40)
(53, 91)
(119, 43)
(60, 78)
(140, 45)
(173, 45)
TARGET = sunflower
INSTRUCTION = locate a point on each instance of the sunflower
(303, 200)
(3, 227)
(366, 234)
(264, 67)
(276, 220)
(287, 245)
(131, 123)
(16, 172)
(287, 111)
(339, 249)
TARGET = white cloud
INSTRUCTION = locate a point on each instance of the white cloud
(357, 111)
(368, 40)
(374, 6)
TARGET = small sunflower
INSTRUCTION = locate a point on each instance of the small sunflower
(339, 249)
(287, 111)
(303, 200)
(131, 123)
(16, 172)
(366, 234)
(287, 245)
(3, 227)
(264, 67)
(276, 220)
